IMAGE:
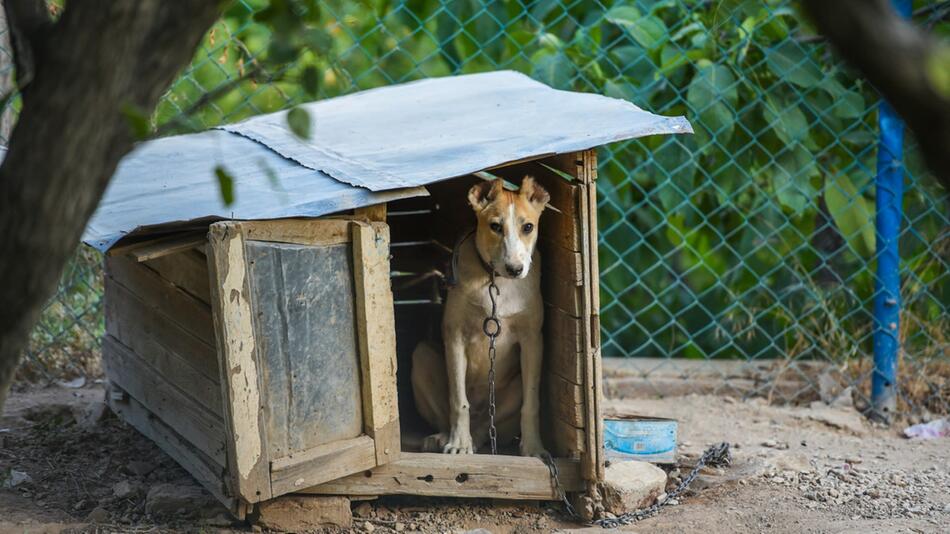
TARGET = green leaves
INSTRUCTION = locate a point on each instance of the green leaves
(298, 119)
(310, 80)
(648, 30)
(791, 178)
(789, 62)
(552, 68)
(225, 184)
(851, 213)
(712, 93)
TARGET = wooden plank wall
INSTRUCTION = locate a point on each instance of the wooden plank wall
(563, 253)
(159, 349)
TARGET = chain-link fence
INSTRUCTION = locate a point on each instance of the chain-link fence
(752, 241)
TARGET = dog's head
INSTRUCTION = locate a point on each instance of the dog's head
(507, 224)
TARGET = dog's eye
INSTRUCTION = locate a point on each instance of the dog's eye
(495, 227)
(527, 228)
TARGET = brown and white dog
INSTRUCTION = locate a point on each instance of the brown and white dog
(451, 392)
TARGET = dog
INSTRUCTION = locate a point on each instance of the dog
(451, 391)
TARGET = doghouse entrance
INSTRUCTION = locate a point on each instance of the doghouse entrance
(425, 230)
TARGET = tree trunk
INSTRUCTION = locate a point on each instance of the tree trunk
(77, 74)
(900, 60)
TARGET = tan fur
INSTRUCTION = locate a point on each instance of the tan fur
(461, 376)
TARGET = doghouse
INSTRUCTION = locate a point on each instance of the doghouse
(265, 345)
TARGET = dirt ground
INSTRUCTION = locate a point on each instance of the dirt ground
(67, 465)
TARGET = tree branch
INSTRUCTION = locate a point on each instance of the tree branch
(70, 135)
(897, 58)
(27, 20)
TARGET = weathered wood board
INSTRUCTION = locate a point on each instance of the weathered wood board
(479, 475)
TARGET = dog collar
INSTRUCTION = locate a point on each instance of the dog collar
(452, 279)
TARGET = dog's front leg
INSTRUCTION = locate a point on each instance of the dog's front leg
(531, 354)
(460, 432)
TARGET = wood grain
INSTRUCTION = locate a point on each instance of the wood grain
(376, 322)
(194, 422)
(322, 464)
(247, 457)
(477, 475)
(187, 269)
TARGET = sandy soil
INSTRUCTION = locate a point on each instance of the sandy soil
(796, 469)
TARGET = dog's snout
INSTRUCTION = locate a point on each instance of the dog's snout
(514, 270)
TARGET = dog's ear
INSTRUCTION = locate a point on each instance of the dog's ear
(484, 193)
(534, 193)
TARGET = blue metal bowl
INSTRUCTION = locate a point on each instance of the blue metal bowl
(648, 439)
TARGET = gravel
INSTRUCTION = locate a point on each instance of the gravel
(870, 492)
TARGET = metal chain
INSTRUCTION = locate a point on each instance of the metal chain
(715, 455)
(492, 329)
(558, 489)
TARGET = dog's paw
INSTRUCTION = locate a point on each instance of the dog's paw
(459, 443)
(533, 448)
(435, 442)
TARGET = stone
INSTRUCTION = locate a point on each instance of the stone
(172, 499)
(14, 478)
(791, 461)
(220, 520)
(298, 513)
(98, 515)
(363, 510)
(632, 485)
(840, 418)
(91, 414)
(124, 489)
(140, 468)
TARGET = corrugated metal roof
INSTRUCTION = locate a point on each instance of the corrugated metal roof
(422, 132)
(368, 147)
(171, 181)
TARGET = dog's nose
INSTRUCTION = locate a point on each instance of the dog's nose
(514, 270)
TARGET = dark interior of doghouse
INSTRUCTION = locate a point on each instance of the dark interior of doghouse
(424, 231)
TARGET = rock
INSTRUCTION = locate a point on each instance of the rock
(790, 461)
(140, 468)
(363, 510)
(368, 527)
(297, 513)
(172, 499)
(845, 399)
(75, 383)
(478, 531)
(399, 527)
(632, 485)
(220, 520)
(98, 515)
(125, 489)
(842, 419)
(91, 414)
(14, 478)
(771, 443)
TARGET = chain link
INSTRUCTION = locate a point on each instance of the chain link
(492, 329)
(715, 455)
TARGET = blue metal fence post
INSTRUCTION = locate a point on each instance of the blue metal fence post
(887, 300)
